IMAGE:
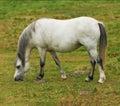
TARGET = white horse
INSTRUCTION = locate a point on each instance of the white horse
(61, 36)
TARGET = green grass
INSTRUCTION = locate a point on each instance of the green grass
(15, 15)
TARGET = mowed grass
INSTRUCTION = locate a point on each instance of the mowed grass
(16, 15)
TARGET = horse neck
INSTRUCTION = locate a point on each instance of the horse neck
(25, 46)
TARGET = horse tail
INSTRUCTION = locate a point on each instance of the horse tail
(103, 43)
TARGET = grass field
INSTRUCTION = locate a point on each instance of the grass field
(15, 15)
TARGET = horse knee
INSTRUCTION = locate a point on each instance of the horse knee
(42, 64)
(93, 54)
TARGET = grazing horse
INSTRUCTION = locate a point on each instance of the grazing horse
(52, 35)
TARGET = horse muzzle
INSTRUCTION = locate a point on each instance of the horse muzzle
(18, 78)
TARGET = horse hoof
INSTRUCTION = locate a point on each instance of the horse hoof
(38, 78)
(87, 79)
(100, 81)
(63, 77)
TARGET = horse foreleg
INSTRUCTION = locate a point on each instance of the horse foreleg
(56, 59)
(42, 64)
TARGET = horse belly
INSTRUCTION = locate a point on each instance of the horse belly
(64, 47)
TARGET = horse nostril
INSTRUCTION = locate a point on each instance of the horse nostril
(18, 79)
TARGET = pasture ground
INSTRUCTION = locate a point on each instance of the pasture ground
(15, 15)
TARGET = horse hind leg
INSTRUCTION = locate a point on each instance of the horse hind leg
(91, 73)
(96, 59)
(56, 59)
(93, 63)
(101, 71)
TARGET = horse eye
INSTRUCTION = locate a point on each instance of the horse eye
(18, 67)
